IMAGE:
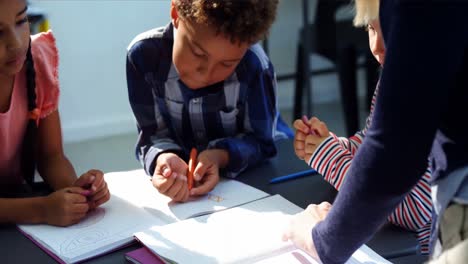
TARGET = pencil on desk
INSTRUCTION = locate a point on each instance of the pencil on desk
(293, 176)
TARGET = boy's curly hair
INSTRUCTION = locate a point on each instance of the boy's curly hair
(240, 20)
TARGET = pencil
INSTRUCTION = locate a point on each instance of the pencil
(191, 167)
(293, 176)
(305, 120)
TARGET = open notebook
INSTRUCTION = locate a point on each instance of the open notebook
(135, 205)
(249, 233)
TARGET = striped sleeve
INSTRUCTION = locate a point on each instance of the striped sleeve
(352, 143)
(332, 159)
(415, 211)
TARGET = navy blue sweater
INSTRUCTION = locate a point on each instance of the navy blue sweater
(421, 110)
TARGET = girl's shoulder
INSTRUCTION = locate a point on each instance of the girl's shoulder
(46, 61)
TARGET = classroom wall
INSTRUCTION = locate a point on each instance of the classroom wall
(92, 38)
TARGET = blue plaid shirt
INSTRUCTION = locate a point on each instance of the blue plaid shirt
(238, 115)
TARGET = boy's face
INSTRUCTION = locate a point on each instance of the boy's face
(14, 36)
(376, 41)
(202, 57)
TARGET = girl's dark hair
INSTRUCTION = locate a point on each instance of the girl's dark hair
(28, 160)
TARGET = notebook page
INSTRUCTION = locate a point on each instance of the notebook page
(108, 227)
(240, 234)
(136, 188)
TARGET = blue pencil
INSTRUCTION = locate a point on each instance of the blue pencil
(293, 176)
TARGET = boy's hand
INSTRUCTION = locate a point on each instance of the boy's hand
(170, 177)
(207, 170)
(66, 206)
(93, 180)
(305, 144)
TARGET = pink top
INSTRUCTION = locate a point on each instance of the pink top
(13, 122)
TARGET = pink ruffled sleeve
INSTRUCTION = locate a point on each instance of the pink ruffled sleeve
(45, 55)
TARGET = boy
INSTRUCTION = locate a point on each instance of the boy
(202, 82)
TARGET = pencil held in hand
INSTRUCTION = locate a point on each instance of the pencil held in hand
(311, 130)
(191, 167)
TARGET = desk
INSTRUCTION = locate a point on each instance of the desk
(390, 242)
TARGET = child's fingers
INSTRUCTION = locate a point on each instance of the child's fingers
(322, 129)
(299, 144)
(98, 184)
(85, 180)
(200, 170)
(326, 206)
(96, 173)
(179, 183)
(162, 183)
(299, 147)
(76, 217)
(312, 140)
(78, 192)
(165, 171)
(102, 200)
(299, 125)
(182, 195)
(101, 196)
(310, 149)
(166, 164)
(98, 179)
(208, 185)
(80, 208)
(300, 135)
(314, 123)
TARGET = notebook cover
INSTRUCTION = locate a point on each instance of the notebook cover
(143, 256)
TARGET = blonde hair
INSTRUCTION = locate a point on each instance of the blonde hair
(366, 10)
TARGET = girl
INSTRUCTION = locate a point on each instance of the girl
(331, 155)
(420, 112)
(30, 133)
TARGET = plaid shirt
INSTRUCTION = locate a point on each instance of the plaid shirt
(238, 115)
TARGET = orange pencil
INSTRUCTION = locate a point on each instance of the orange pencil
(191, 167)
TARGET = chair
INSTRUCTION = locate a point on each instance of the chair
(342, 43)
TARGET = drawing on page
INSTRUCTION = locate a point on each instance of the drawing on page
(83, 240)
(88, 236)
(215, 198)
(210, 196)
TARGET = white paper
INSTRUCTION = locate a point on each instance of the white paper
(104, 229)
(135, 205)
(364, 255)
(139, 190)
(237, 235)
(251, 233)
